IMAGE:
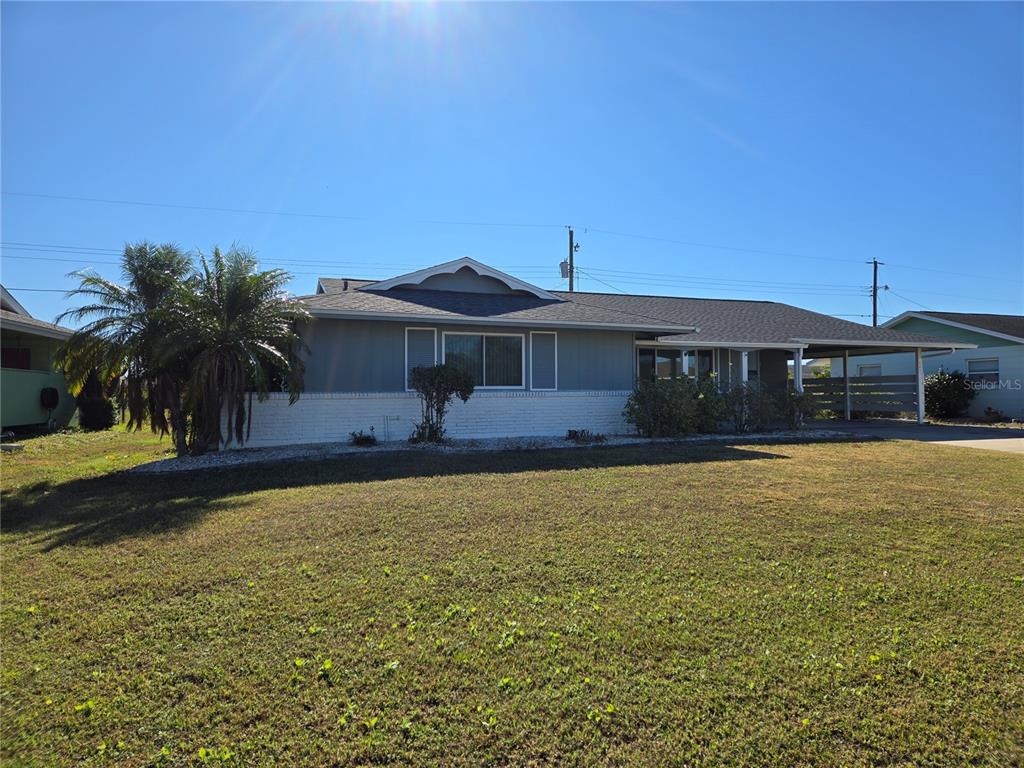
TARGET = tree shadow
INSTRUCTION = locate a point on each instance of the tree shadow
(101, 510)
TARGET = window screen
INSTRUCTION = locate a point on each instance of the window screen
(543, 359)
(419, 350)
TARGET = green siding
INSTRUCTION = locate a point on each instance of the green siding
(19, 389)
(942, 331)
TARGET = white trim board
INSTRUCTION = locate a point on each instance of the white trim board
(451, 267)
(348, 314)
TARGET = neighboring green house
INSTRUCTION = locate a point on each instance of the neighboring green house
(995, 369)
(26, 368)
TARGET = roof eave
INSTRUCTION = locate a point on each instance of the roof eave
(54, 332)
(851, 343)
(341, 314)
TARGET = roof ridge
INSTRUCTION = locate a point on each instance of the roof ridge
(663, 296)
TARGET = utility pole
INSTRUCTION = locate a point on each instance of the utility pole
(875, 264)
(572, 268)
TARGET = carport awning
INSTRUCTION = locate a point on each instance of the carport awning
(816, 348)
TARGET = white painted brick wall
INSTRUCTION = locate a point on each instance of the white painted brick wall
(329, 417)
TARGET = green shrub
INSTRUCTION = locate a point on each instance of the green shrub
(947, 394)
(437, 385)
(363, 439)
(585, 437)
(750, 406)
(793, 407)
(95, 413)
(674, 407)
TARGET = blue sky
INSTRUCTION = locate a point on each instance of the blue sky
(738, 151)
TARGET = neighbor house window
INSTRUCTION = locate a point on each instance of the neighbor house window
(492, 359)
(543, 360)
(420, 350)
(983, 370)
(869, 370)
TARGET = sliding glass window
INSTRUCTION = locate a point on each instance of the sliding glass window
(493, 360)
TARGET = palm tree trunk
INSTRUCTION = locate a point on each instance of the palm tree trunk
(178, 426)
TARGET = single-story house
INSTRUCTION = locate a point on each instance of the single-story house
(26, 368)
(994, 365)
(543, 361)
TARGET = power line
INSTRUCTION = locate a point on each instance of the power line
(922, 306)
(453, 222)
(602, 282)
(261, 212)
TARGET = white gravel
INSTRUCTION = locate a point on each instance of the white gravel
(320, 451)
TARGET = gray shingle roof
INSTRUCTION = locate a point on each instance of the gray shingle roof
(734, 321)
(1011, 325)
(722, 321)
(485, 307)
(27, 324)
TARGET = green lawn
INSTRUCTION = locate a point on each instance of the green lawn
(826, 604)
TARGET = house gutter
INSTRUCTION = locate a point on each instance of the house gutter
(501, 322)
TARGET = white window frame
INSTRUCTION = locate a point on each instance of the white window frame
(406, 366)
(970, 376)
(483, 350)
(860, 368)
(545, 333)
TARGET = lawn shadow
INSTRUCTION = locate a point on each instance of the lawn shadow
(100, 510)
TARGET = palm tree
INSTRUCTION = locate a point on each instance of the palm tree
(239, 327)
(123, 341)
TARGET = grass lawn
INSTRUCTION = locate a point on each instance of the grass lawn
(827, 604)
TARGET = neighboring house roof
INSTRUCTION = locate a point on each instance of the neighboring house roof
(339, 284)
(14, 321)
(1009, 327)
(11, 304)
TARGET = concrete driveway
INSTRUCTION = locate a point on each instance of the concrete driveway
(1005, 439)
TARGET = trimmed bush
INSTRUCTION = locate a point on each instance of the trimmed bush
(793, 407)
(437, 386)
(750, 407)
(95, 413)
(947, 394)
(674, 407)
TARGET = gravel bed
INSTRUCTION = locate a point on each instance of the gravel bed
(319, 451)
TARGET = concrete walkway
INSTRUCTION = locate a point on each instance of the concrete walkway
(1009, 440)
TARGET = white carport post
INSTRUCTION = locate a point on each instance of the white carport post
(920, 385)
(798, 369)
(846, 384)
(744, 366)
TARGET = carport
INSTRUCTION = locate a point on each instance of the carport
(883, 394)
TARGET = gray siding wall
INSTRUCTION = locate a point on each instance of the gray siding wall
(369, 356)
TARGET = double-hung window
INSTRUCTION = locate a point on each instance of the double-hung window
(492, 359)
(983, 370)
